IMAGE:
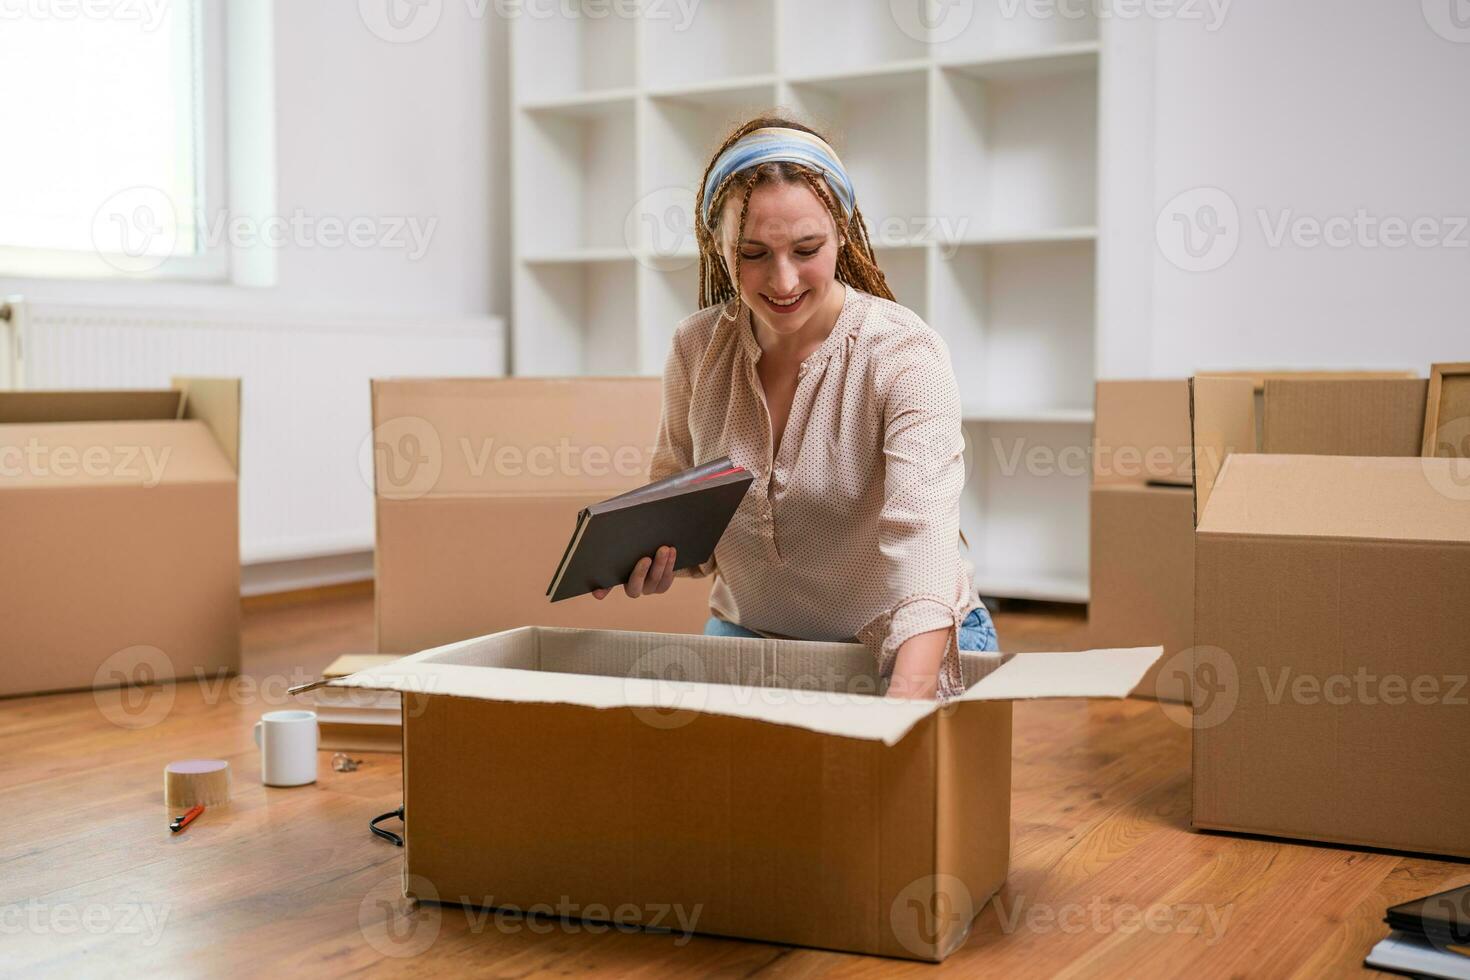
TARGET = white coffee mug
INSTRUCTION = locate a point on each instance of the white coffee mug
(287, 741)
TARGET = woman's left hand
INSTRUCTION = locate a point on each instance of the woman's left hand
(650, 576)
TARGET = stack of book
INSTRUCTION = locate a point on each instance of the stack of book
(1430, 937)
(688, 511)
(356, 720)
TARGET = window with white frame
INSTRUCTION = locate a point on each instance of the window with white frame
(112, 134)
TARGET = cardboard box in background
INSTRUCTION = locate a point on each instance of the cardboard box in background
(1141, 552)
(478, 484)
(1142, 558)
(119, 519)
(764, 795)
(1331, 592)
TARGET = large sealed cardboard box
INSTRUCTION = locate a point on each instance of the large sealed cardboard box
(742, 787)
(478, 483)
(119, 521)
(1332, 579)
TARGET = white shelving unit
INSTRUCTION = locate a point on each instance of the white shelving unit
(975, 162)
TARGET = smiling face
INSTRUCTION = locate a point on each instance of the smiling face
(787, 259)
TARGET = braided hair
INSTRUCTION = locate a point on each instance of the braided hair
(856, 265)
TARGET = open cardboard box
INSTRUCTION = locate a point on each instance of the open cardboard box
(1332, 572)
(478, 482)
(1141, 553)
(767, 793)
(119, 518)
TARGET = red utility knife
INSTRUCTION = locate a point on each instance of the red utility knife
(179, 823)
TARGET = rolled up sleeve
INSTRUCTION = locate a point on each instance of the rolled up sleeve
(918, 525)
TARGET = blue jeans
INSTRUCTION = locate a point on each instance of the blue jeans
(977, 632)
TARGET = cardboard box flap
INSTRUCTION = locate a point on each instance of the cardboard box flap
(351, 663)
(860, 716)
(92, 454)
(1259, 378)
(1372, 498)
(485, 437)
(1141, 433)
(216, 403)
(88, 406)
(1089, 674)
(820, 687)
(666, 673)
(1222, 415)
(1345, 418)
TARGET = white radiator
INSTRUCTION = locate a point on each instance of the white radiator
(304, 387)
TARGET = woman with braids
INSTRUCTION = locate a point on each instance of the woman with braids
(802, 368)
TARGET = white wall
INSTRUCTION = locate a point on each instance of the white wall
(1308, 108)
(368, 127)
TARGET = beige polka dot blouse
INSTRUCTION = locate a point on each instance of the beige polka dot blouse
(851, 530)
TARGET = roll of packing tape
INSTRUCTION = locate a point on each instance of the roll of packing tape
(196, 782)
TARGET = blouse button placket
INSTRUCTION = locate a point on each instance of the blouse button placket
(767, 523)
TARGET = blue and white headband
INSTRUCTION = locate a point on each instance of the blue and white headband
(778, 143)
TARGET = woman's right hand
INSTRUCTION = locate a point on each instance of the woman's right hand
(650, 576)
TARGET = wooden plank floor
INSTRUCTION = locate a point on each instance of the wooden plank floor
(1106, 878)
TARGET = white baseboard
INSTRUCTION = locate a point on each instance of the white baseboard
(264, 578)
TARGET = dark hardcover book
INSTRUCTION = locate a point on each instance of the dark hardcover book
(688, 511)
(1442, 918)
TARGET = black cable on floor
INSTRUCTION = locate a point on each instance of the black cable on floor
(395, 839)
